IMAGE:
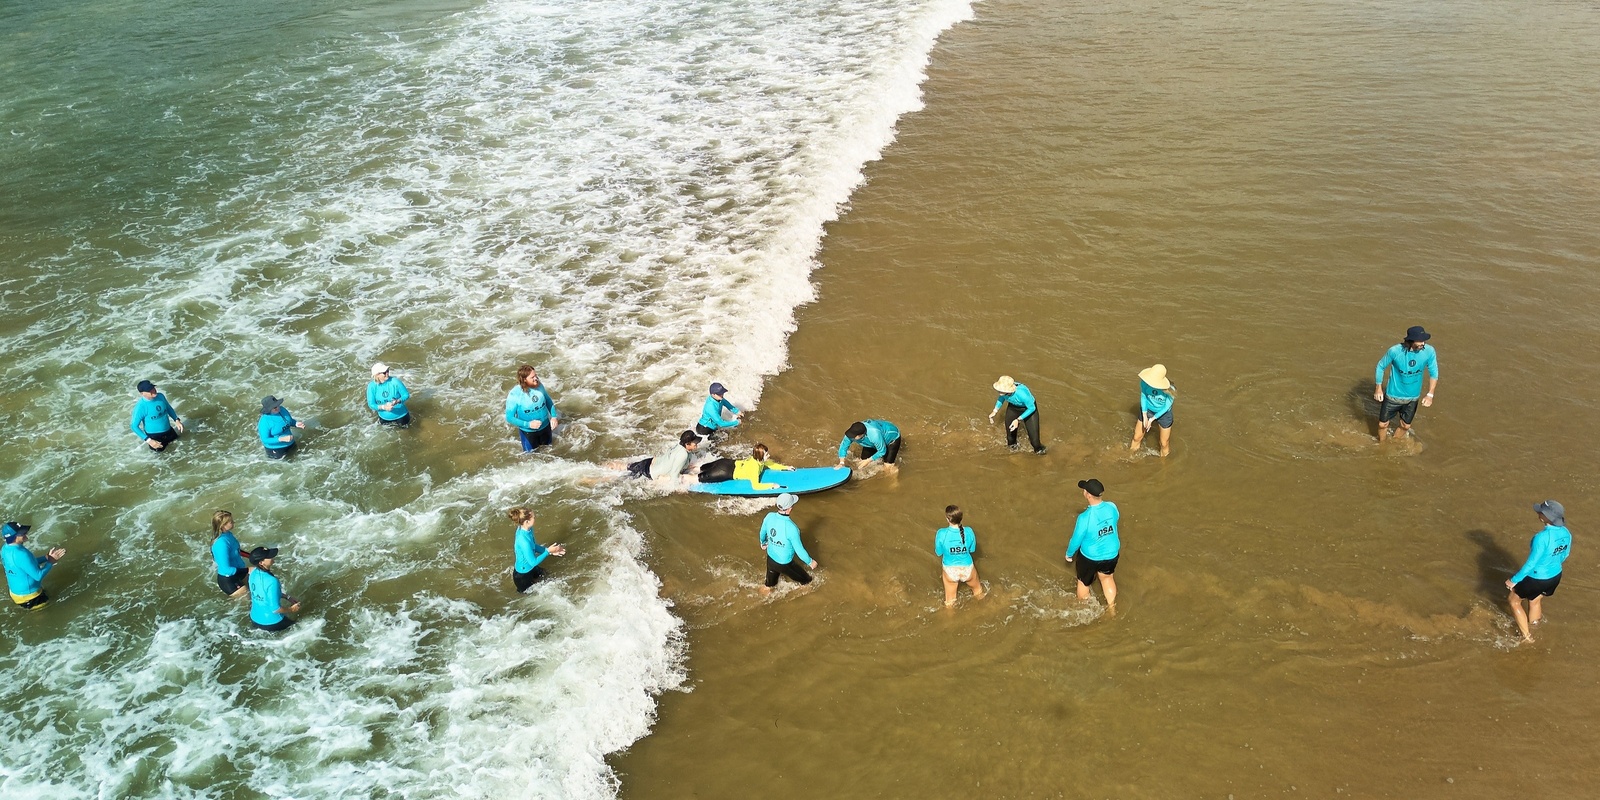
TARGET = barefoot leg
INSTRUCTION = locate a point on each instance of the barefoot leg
(1522, 617)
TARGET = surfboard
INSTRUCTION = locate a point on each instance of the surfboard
(796, 481)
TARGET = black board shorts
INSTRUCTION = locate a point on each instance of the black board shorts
(279, 452)
(1087, 568)
(640, 469)
(1533, 588)
(276, 626)
(1406, 409)
(793, 569)
(165, 438)
(525, 580)
(398, 422)
(232, 583)
(891, 451)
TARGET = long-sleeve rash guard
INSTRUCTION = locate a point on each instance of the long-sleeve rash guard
(152, 416)
(749, 469)
(225, 551)
(1021, 398)
(526, 406)
(781, 537)
(266, 597)
(390, 391)
(1406, 369)
(272, 426)
(24, 570)
(955, 546)
(1095, 534)
(879, 434)
(670, 464)
(1154, 402)
(529, 552)
(711, 413)
(1550, 547)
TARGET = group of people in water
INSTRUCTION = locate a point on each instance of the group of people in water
(1092, 551)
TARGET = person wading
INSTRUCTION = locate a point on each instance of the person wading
(1541, 573)
(1398, 395)
(1095, 544)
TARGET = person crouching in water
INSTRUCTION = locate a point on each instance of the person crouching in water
(529, 553)
(1155, 408)
(954, 546)
(780, 537)
(268, 604)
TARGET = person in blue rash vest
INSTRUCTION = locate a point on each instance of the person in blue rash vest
(1021, 411)
(268, 604)
(1405, 363)
(276, 428)
(954, 546)
(711, 420)
(1155, 408)
(387, 396)
(780, 537)
(24, 570)
(529, 553)
(233, 571)
(1095, 543)
(1541, 573)
(154, 421)
(879, 440)
(531, 410)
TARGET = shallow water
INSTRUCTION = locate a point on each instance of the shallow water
(1263, 198)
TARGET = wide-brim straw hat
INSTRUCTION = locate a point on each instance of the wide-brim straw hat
(1156, 376)
(1005, 385)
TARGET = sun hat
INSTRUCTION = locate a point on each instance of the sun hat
(1551, 510)
(380, 368)
(146, 386)
(15, 529)
(1092, 486)
(270, 404)
(1415, 333)
(1156, 376)
(261, 554)
(1005, 385)
(786, 501)
(717, 388)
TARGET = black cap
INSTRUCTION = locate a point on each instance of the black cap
(261, 554)
(1092, 486)
(1415, 333)
(270, 404)
(15, 529)
(146, 386)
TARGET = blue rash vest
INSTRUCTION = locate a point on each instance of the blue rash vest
(955, 546)
(266, 597)
(1405, 375)
(1550, 547)
(391, 390)
(1021, 398)
(879, 434)
(24, 570)
(152, 416)
(524, 406)
(273, 426)
(1154, 402)
(781, 537)
(529, 552)
(711, 413)
(1095, 534)
(225, 551)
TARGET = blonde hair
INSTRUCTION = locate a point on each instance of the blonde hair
(220, 520)
(521, 515)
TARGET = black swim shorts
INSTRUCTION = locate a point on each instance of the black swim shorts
(524, 580)
(640, 469)
(1407, 409)
(1087, 568)
(1530, 588)
(232, 583)
(276, 626)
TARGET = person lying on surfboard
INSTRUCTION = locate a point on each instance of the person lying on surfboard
(750, 469)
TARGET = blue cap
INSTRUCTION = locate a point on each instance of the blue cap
(15, 529)
(146, 386)
(717, 388)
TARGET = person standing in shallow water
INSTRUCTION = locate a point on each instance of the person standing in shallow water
(1155, 408)
(387, 396)
(529, 554)
(1399, 394)
(154, 421)
(24, 570)
(276, 428)
(268, 604)
(233, 571)
(1541, 573)
(954, 546)
(1095, 544)
(1021, 411)
(780, 538)
(711, 420)
(531, 410)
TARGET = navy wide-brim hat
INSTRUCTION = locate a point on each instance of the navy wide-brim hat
(1415, 333)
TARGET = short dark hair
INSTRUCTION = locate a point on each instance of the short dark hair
(688, 437)
(856, 430)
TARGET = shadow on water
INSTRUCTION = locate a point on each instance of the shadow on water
(1362, 407)
(1495, 564)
